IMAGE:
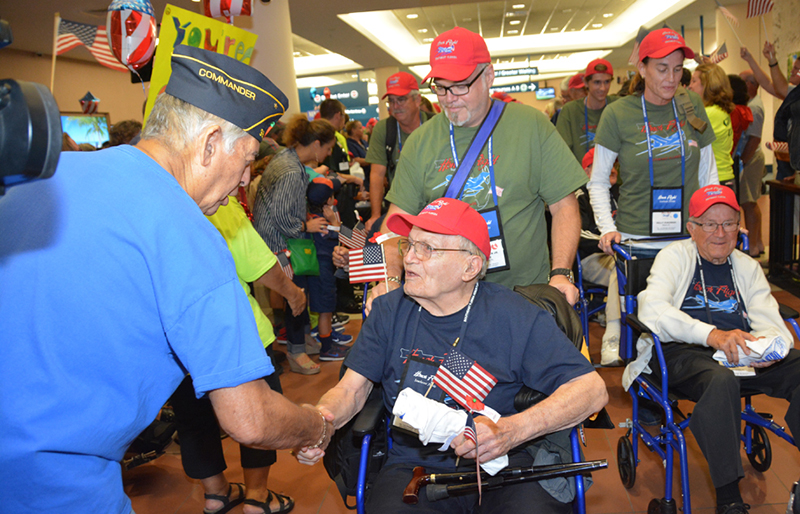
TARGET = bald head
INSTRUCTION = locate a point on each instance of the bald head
(751, 82)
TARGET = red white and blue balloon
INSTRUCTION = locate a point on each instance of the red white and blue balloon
(227, 8)
(131, 27)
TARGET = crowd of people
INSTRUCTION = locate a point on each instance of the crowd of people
(470, 202)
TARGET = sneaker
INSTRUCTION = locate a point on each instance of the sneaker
(315, 330)
(352, 307)
(338, 338)
(733, 508)
(339, 320)
(281, 336)
(336, 352)
(609, 353)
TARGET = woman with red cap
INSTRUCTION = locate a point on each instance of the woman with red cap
(662, 137)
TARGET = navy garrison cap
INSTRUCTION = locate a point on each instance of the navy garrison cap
(227, 88)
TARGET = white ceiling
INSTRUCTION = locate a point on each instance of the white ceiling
(547, 29)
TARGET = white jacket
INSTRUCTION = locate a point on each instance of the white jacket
(660, 302)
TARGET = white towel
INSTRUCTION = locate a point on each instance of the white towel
(761, 350)
(438, 423)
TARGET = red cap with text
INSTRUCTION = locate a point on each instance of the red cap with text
(707, 196)
(445, 216)
(662, 42)
(599, 66)
(456, 53)
(400, 84)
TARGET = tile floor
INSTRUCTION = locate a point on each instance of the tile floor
(161, 487)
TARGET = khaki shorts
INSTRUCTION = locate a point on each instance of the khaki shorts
(750, 180)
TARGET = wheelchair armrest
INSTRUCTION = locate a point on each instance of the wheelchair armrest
(527, 397)
(787, 312)
(368, 419)
(637, 326)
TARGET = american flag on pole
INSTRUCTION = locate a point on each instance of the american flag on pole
(471, 434)
(719, 54)
(634, 58)
(758, 7)
(366, 264)
(72, 34)
(353, 238)
(89, 103)
(462, 378)
(729, 15)
(286, 264)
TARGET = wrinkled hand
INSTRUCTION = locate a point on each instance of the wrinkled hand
(494, 440)
(297, 300)
(311, 456)
(728, 340)
(378, 290)
(745, 54)
(607, 239)
(341, 256)
(566, 287)
(317, 225)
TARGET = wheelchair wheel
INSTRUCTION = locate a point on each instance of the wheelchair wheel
(761, 455)
(625, 462)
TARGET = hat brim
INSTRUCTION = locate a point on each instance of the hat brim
(688, 53)
(452, 72)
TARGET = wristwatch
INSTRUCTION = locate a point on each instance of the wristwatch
(562, 271)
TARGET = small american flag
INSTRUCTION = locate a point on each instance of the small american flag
(758, 7)
(471, 434)
(729, 15)
(463, 378)
(366, 264)
(89, 103)
(353, 238)
(72, 34)
(286, 264)
(719, 54)
(634, 58)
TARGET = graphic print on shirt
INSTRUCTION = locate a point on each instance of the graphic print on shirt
(720, 298)
(477, 190)
(665, 143)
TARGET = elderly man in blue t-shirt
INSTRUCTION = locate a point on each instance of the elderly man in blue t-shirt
(444, 308)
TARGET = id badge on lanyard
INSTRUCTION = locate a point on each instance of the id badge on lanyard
(498, 258)
(666, 203)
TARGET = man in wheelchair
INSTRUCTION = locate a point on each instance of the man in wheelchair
(713, 306)
(445, 310)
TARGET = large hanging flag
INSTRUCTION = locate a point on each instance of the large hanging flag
(366, 264)
(462, 378)
(634, 58)
(719, 54)
(72, 34)
(758, 7)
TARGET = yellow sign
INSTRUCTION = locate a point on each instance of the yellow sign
(182, 27)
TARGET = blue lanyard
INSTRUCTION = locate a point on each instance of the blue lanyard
(491, 161)
(650, 147)
(399, 139)
(586, 121)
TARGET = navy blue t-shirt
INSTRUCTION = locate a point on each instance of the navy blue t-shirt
(721, 294)
(508, 336)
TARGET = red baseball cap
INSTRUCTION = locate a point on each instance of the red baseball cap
(445, 216)
(599, 66)
(588, 159)
(662, 42)
(400, 84)
(576, 81)
(456, 53)
(710, 195)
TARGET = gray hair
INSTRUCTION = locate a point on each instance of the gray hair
(178, 124)
(472, 248)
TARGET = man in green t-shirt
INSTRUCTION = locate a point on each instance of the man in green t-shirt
(405, 116)
(522, 167)
(578, 120)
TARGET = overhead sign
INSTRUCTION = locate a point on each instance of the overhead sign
(518, 72)
(525, 87)
(353, 95)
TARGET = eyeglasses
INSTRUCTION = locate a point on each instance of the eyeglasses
(455, 89)
(398, 100)
(710, 226)
(423, 251)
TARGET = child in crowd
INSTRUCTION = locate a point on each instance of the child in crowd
(322, 288)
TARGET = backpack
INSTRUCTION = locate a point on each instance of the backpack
(343, 456)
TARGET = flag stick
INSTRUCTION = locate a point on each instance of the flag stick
(55, 44)
(385, 273)
(763, 24)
